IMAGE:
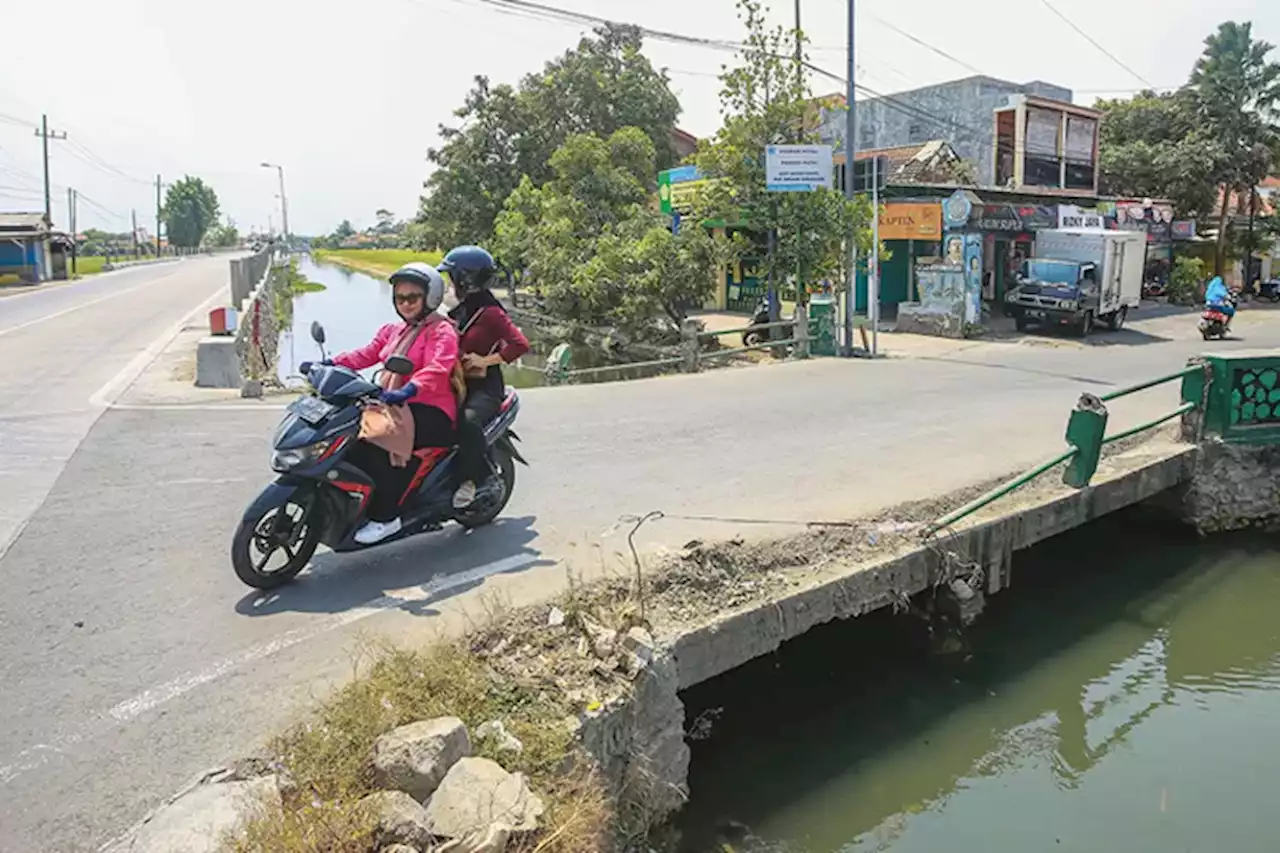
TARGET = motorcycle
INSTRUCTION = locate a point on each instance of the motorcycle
(319, 497)
(758, 331)
(1269, 290)
(1214, 323)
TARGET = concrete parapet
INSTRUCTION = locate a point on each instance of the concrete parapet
(217, 363)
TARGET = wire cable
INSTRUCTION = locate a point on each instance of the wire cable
(1095, 43)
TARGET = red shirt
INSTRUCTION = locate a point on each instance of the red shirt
(490, 331)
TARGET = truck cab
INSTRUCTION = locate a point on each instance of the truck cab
(1053, 292)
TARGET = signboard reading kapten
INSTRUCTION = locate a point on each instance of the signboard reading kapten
(797, 168)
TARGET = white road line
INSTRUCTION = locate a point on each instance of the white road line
(105, 396)
(40, 754)
(80, 305)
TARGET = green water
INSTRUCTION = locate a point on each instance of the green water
(1124, 696)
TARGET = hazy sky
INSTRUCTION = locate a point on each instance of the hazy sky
(348, 96)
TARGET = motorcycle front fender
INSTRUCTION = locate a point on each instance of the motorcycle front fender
(274, 495)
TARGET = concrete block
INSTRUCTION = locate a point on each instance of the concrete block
(217, 363)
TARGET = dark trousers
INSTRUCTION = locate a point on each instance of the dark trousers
(431, 428)
(481, 405)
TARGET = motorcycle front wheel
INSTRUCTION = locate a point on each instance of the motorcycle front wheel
(270, 549)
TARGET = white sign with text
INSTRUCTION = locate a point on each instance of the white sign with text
(1071, 216)
(797, 168)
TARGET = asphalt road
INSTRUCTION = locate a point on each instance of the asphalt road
(131, 658)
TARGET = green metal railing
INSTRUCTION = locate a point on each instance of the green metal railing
(1086, 436)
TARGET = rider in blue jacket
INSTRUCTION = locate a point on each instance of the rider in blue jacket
(1218, 297)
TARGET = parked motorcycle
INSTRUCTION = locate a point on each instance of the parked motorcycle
(1214, 323)
(1269, 290)
(321, 498)
(758, 330)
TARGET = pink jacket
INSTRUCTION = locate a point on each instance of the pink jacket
(433, 354)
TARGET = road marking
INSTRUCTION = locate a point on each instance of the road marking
(130, 709)
(105, 396)
(65, 311)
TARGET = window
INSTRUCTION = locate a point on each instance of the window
(915, 133)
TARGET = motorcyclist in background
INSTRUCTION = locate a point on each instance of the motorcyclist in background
(487, 339)
(1218, 297)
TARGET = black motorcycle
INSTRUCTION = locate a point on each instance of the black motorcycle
(758, 330)
(321, 498)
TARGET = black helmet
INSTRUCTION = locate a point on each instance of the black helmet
(471, 268)
(424, 276)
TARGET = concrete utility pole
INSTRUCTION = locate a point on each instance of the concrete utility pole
(873, 260)
(45, 135)
(71, 226)
(850, 150)
(284, 201)
(158, 206)
(799, 50)
(133, 216)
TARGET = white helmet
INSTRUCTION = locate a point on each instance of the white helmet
(424, 276)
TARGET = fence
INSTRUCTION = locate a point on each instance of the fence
(246, 274)
(805, 332)
(1234, 398)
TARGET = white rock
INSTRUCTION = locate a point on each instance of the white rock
(477, 794)
(198, 820)
(556, 617)
(505, 740)
(416, 757)
(401, 820)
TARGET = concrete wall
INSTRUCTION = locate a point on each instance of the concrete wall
(959, 111)
(1236, 486)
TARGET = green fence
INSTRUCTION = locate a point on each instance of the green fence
(1233, 398)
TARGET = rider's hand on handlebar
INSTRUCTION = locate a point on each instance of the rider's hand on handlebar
(305, 367)
(396, 398)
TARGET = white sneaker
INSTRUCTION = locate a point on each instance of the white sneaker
(376, 531)
(465, 496)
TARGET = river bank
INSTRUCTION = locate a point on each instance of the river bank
(379, 263)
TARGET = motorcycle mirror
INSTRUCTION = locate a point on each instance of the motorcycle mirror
(317, 332)
(399, 365)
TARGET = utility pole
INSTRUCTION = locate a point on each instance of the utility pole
(873, 260)
(157, 217)
(45, 135)
(799, 51)
(850, 150)
(284, 200)
(133, 216)
(71, 226)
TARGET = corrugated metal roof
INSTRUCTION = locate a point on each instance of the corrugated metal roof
(24, 221)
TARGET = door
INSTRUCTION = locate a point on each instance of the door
(1113, 259)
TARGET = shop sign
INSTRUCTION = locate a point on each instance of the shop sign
(1071, 216)
(911, 221)
(1014, 217)
(957, 209)
(1184, 229)
(1154, 218)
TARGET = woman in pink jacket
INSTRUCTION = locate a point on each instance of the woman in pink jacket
(417, 291)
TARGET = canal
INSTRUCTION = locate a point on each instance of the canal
(1123, 695)
(352, 306)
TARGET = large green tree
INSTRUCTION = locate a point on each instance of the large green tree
(190, 208)
(764, 102)
(1237, 88)
(592, 243)
(506, 133)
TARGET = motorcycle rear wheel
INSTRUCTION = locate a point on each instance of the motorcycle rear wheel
(485, 510)
(295, 534)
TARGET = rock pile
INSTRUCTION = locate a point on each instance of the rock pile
(435, 797)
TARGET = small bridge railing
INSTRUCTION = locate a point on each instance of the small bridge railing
(1235, 398)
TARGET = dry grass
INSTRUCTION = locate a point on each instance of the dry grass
(324, 760)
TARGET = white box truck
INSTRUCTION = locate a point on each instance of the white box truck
(1079, 278)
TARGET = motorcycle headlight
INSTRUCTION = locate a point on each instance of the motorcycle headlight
(286, 460)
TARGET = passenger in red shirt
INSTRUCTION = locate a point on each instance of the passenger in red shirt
(487, 340)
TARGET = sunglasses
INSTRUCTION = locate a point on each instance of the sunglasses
(407, 298)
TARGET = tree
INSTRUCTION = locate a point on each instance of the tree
(386, 221)
(591, 241)
(1237, 92)
(224, 235)
(764, 102)
(506, 133)
(190, 207)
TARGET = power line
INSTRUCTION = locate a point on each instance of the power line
(925, 44)
(83, 151)
(1094, 42)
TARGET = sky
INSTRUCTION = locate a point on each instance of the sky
(348, 97)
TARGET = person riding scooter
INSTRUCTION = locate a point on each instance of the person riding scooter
(1218, 297)
(427, 339)
(487, 340)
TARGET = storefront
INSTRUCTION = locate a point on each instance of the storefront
(998, 236)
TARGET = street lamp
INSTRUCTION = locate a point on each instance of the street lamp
(284, 201)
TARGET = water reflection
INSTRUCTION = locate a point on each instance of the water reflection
(1122, 697)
